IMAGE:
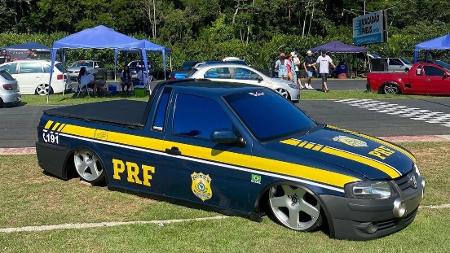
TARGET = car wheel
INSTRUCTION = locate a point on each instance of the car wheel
(1, 103)
(295, 207)
(88, 166)
(283, 93)
(391, 88)
(43, 89)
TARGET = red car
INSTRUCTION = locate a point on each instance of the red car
(422, 78)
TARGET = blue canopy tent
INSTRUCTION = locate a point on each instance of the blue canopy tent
(99, 37)
(440, 43)
(339, 47)
(28, 45)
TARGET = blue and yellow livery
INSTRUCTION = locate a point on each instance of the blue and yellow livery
(238, 149)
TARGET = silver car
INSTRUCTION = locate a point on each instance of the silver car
(9, 91)
(91, 66)
(238, 73)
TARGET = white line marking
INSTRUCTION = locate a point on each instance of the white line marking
(443, 206)
(102, 224)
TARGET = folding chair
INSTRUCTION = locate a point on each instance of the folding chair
(81, 88)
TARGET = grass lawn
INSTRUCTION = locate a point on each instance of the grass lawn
(69, 99)
(29, 197)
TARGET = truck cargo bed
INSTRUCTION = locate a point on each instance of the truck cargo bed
(122, 112)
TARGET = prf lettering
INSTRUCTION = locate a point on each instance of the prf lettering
(382, 152)
(135, 174)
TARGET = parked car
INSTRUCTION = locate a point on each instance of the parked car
(422, 78)
(189, 67)
(390, 64)
(240, 149)
(9, 90)
(93, 67)
(242, 74)
(184, 72)
(135, 66)
(33, 76)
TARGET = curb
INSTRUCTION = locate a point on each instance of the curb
(398, 139)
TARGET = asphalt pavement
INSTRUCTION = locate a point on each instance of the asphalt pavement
(18, 124)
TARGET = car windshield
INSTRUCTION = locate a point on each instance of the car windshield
(188, 65)
(443, 64)
(406, 61)
(82, 64)
(6, 75)
(60, 67)
(268, 115)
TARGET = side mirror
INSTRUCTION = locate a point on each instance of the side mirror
(226, 137)
(419, 71)
(260, 79)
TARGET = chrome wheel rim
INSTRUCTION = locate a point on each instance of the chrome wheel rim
(391, 89)
(283, 92)
(42, 89)
(294, 207)
(87, 165)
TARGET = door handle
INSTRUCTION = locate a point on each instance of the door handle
(173, 151)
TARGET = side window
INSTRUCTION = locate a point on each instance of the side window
(30, 67)
(199, 117)
(46, 68)
(10, 68)
(222, 73)
(395, 62)
(244, 74)
(432, 71)
(160, 114)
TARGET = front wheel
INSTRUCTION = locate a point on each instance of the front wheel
(88, 166)
(283, 93)
(295, 207)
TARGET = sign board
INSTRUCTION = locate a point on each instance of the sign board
(369, 28)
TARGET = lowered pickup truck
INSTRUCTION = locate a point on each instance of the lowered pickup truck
(239, 149)
(421, 78)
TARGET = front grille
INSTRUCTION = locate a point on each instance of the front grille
(404, 182)
(393, 222)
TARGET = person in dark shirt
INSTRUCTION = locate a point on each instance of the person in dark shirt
(310, 67)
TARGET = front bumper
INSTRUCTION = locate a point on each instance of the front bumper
(364, 219)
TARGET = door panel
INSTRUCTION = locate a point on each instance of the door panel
(438, 83)
(418, 84)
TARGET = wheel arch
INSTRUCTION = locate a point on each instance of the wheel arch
(69, 165)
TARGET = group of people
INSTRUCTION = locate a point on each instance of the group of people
(126, 80)
(288, 68)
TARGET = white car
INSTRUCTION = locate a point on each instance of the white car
(33, 76)
(237, 73)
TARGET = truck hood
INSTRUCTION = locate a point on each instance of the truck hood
(345, 152)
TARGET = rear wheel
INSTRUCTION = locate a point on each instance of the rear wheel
(283, 93)
(88, 166)
(295, 207)
(43, 89)
(391, 88)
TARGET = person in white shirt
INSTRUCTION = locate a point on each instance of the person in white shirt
(86, 79)
(324, 61)
(296, 62)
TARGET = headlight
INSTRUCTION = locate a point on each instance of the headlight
(416, 169)
(292, 85)
(369, 190)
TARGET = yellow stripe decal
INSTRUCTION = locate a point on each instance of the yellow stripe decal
(55, 126)
(309, 145)
(49, 123)
(405, 152)
(392, 172)
(60, 127)
(232, 158)
(292, 142)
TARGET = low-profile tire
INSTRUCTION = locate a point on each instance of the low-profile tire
(1, 103)
(283, 93)
(88, 166)
(43, 89)
(391, 88)
(295, 207)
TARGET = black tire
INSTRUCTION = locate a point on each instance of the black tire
(1, 103)
(391, 88)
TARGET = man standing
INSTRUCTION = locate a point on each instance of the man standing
(296, 64)
(310, 66)
(324, 61)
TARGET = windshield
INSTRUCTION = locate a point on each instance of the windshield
(6, 75)
(268, 115)
(82, 64)
(443, 64)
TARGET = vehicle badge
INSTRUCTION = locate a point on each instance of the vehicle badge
(256, 179)
(350, 141)
(256, 93)
(413, 181)
(201, 186)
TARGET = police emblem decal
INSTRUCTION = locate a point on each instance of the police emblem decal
(201, 186)
(350, 141)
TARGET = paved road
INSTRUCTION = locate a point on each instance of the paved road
(18, 124)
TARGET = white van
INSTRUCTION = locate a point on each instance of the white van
(33, 76)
